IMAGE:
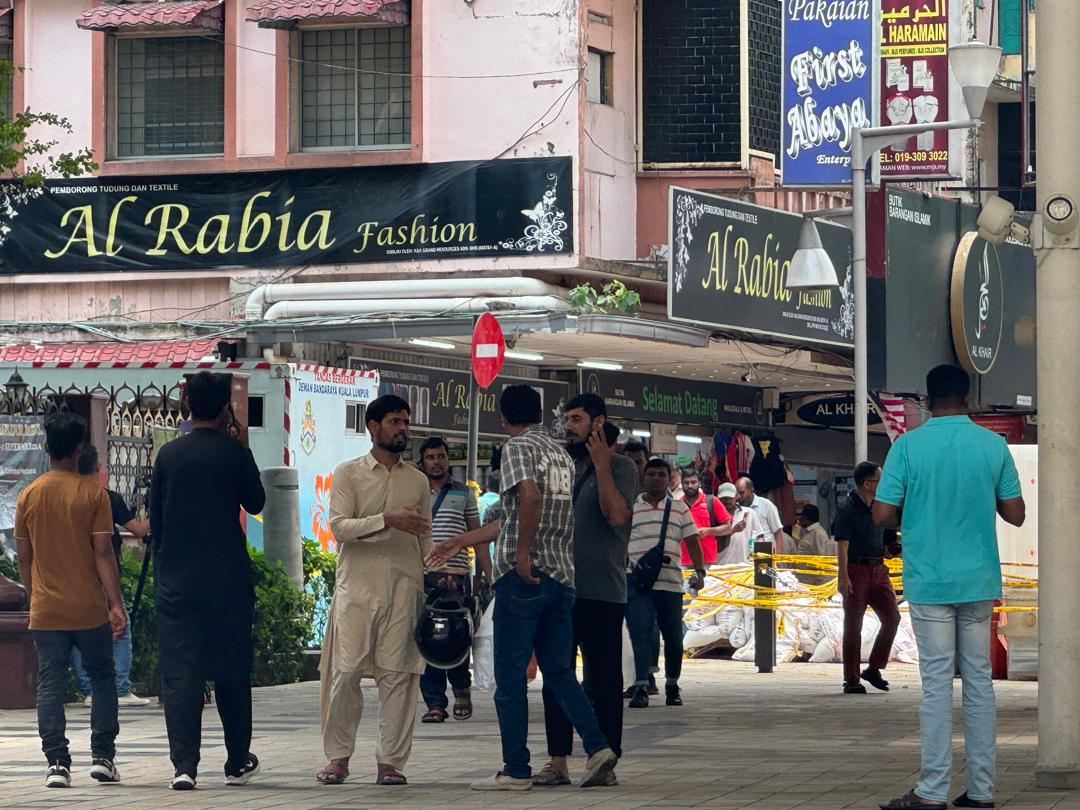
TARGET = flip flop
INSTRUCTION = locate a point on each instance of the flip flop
(389, 775)
(435, 715)
(333, 774)
(549, 777)
(463, 709)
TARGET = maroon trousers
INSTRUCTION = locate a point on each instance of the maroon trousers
(870, 587)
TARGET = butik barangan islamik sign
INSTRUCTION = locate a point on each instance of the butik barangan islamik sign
(828, 87)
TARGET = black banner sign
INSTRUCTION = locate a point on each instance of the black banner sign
(679, 402)
(439, 397)
(832, 411)
(22, 459)
(284, 218)
(728, 265)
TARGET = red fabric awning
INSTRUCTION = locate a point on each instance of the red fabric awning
(5, 24)
(158, 15)
(287, 13)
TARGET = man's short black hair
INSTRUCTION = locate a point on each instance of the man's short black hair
(64, 432)
(635, 447)
(690, 472)
(434, 443)
(207, 393)
(520, 405)
(811, 513)
(592, 404)
(655, 462)
(863, 471)
(386, 404)
(88, 459)
(947, 385)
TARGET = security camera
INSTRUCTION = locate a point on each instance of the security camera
(996, 222)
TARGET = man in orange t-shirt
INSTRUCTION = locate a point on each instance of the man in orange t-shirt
(63, 527)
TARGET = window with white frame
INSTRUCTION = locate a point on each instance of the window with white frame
(355, 417)
(355, 88)
(598, 77)
(168, 96)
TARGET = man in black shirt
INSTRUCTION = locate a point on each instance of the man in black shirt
(863, 580)
(90, 466)
(205, 595)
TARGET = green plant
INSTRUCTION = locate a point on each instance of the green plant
(282, 612)
(320, 572)
(614, 297)
(144, 637)
(9, 568)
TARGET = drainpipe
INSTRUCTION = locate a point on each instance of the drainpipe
(433, 306)
(402, 288)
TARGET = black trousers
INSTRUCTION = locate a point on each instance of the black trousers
(598, 633)
(201, 639)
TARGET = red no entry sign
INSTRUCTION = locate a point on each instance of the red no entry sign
(488, 348)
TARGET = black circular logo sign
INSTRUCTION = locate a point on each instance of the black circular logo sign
(976, 303)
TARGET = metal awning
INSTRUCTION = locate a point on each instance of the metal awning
(160, 15)
(287, 13)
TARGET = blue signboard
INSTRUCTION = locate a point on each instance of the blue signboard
(828, 87)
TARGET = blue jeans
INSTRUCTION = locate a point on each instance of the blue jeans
(54, 656)
(528, 618)
(121, 661)
(947, 635)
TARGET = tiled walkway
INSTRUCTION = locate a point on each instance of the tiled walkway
(768, 742)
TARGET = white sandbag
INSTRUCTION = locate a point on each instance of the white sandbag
(824, 653)
(696, 639)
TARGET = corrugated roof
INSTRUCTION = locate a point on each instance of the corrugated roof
(205, 15)
(286, 13)
(158, 351)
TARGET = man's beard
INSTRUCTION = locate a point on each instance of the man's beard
(394, 445)
(577, 449)
(691, 493)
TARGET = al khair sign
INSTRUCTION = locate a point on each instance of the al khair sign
(828, 88)
(284, 218)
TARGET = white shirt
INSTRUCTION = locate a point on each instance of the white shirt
(739, 545)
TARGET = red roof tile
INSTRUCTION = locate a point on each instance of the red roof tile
(205, 15)
(165, 351)
(286, 13)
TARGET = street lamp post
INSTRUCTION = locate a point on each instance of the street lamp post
(974, 66)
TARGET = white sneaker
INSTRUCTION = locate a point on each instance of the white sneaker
(104, 771)
(599, 767)
(88, 701)
(59, 776)
(131, 699)
(183, 782)
(501, 781)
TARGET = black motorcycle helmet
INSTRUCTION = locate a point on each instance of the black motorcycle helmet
(444, 632)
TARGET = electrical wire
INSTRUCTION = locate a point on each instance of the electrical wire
(399, 75)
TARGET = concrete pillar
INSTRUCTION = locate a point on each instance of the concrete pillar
(1058, 302)
(281, 520)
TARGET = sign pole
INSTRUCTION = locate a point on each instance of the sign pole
(474, 429)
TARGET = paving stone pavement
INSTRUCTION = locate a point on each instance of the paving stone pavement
(760, 742)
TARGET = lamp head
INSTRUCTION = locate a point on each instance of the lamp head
(810, 268)
(974, 65)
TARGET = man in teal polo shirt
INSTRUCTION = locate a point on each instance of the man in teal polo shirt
(946, 483)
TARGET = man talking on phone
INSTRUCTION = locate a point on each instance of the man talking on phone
(205, 593)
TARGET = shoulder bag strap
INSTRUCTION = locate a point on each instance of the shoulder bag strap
(438, 501)
(585, 476)
(664, 525)
(710, 504)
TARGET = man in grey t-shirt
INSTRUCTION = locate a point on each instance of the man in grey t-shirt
(605, 488)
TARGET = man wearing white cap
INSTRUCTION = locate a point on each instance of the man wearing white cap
(735, 549)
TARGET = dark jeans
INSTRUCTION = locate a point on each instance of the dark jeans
(870, 586)
(205, 639)
(598, 632)
(433, 681)
(54, 656)
(646, 611)
(528, 618)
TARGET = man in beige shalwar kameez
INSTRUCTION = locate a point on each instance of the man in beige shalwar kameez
(380, 516)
